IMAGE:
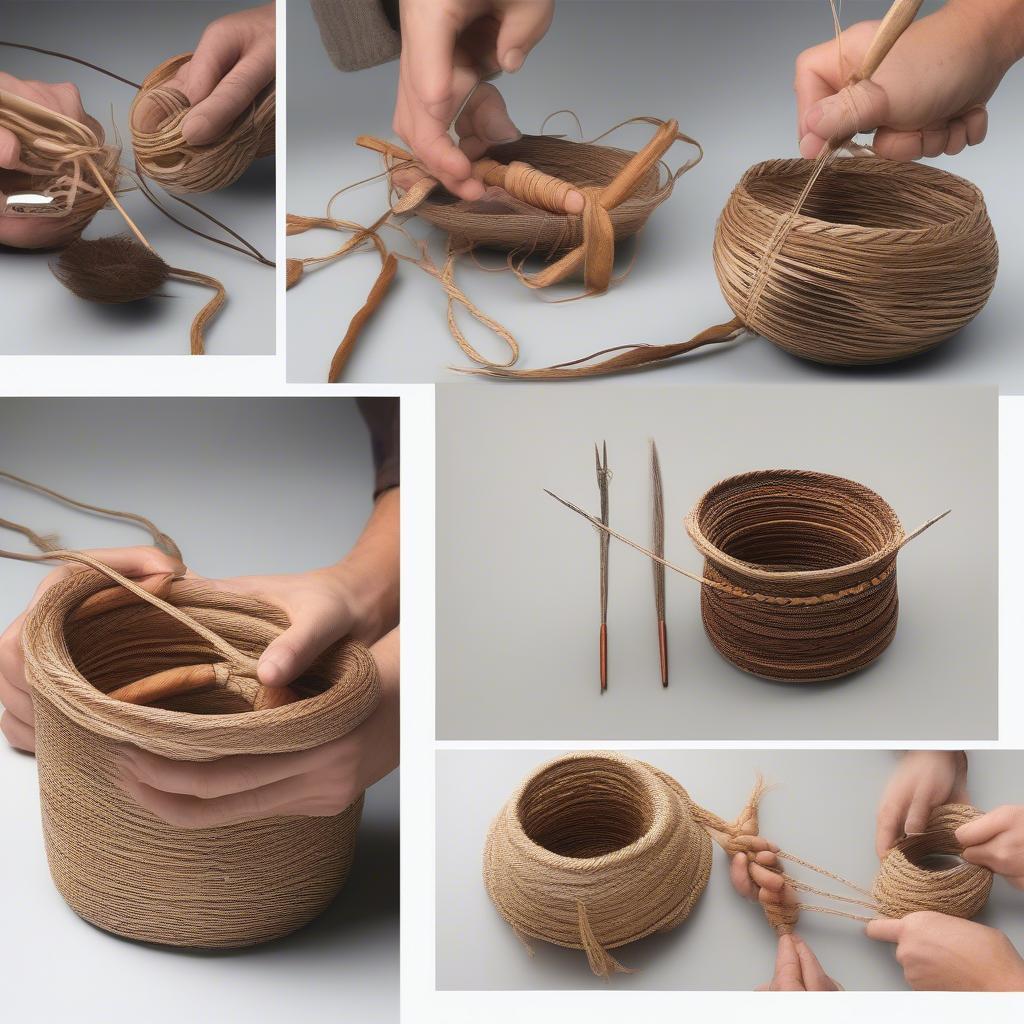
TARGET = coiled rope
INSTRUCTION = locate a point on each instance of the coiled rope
(596, 850)
(799, 580)
(97, 633)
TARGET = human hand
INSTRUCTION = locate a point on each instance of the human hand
(448, 48)
(236, 59)
(928, 96)
(797, 969)
(18, 720)
(317, 782)
(996, 841)
(942, 953)
(757, 875)
(924, 780)
(64, 98)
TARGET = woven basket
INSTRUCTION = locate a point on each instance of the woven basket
(117, 865)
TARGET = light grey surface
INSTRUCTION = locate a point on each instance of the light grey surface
(517, 574)
(725, 70)
(244, 486)
(41, 317)
(821, 808)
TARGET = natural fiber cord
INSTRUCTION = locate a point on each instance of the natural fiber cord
(115, 863)
(596, 850)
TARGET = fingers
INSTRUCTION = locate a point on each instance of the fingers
(18, 701)
(219, 50)
(20, 735)
(921, 806)
(861, 107)
(986, 827)
(484, 122)
(788, 976)
(12, 662)
(290, 796)
(889, 826)
(814, 81)
(213, 779)
(739, 875)
(211, 118)
(297, 648)
(814, 977)
(884, 929)
(522, 27)
(10, 150)
(387, 654)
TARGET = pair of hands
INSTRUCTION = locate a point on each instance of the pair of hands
(927, 98)
(357, 598)
(233, 62)
(936, 951)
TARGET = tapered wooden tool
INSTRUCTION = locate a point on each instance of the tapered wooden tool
(173, 682)
(519, 179)
(658, 547)
(601, 460)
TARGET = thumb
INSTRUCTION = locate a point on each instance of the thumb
(522, 27)
(884, 929)
(861, 107)
(286, 658)
(788, 974)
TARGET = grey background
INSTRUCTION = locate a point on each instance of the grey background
(244, 486)
(41, 317)
(725, 70)
(821, 808)
(517, 574)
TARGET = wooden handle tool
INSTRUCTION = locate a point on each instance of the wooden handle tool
(896, 21)
(174, 682)
(519, 179)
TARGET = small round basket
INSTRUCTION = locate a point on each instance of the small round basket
(884, 261)
(785, 534)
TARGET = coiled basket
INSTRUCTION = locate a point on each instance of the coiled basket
(883, 260)
(117, 865)
(819, 554)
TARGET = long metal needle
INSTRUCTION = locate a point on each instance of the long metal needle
(658, 547)
(604, 541)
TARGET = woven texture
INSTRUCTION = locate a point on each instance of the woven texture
(882, 260)
(596, 850)
(782, 534)
(63, 157)
(910, 879)
(116, 864)
(163, 155)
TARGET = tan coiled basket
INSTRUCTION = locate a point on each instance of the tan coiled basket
(117, 865)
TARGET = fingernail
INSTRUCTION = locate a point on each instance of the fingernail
(497, 127)
(270, 671)
(574, 202)
(810, 146)
(195, 129)
(820, 116)
(513, 60)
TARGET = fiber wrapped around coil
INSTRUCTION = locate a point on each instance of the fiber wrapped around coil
(116, 864)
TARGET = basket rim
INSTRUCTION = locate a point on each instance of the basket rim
(95, 711)
(926, 173)
(752, 570)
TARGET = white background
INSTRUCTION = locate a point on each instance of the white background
(421, 1004)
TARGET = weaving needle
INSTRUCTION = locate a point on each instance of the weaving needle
(604, 541)
(658, 547)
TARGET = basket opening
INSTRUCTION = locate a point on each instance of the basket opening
(933, 851)
(790, 533)
(844, 195)
(128, 644)
(586, 807)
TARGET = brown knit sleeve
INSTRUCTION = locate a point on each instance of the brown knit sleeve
(358, 33)
(383, 419)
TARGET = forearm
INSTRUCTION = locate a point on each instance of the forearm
(1002, 23)
(370, 571)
